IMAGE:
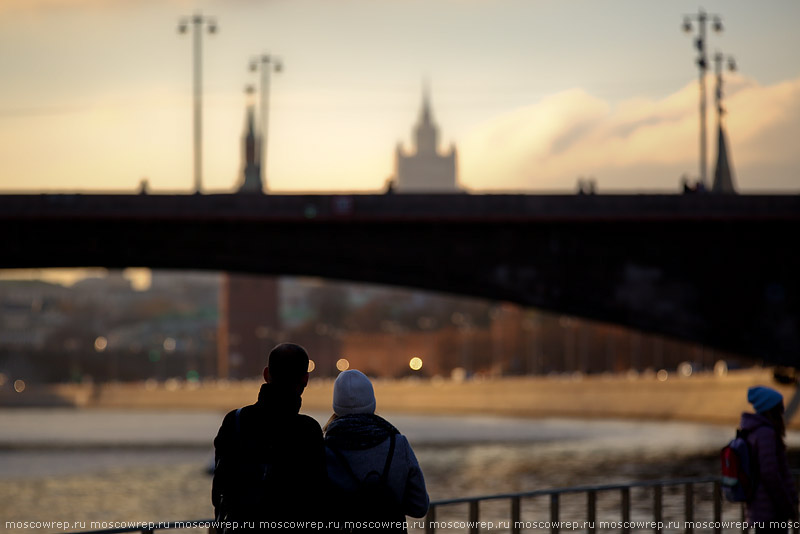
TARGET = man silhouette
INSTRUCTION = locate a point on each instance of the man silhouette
(270, 459)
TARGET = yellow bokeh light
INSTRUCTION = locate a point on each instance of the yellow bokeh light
(415, 363)
(100, 344)
(343, 365)
(170, 344)
(311, 365)
(19, 386)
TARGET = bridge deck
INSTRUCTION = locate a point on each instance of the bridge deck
(719, 270)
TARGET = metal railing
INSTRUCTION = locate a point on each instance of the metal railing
(590, 524)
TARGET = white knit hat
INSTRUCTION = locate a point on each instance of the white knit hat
(352, 393)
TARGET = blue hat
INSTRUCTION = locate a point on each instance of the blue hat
(763, 398)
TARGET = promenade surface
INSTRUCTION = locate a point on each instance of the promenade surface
(702, 397)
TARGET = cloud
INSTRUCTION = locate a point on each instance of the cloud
(36, 6)
(639, 143)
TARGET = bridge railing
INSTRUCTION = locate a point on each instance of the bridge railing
(442, 517)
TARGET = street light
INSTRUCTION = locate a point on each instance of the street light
(719, 60)
(702, 19)
(267, 64)
(197, 22)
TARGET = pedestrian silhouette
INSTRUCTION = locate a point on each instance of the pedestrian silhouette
(374, 475)
(269, 459)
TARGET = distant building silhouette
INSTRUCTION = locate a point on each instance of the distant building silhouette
(723, 175)
(251, 180)
(425, 170)
(249, 308)
(249, 324)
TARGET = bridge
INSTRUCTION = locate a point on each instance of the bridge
(723, 271)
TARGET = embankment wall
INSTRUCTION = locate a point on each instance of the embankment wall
(702, 397)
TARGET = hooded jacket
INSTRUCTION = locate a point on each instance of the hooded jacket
(363, 441)
(775, 497)
(283, 447)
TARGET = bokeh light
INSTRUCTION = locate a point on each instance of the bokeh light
(100, 344)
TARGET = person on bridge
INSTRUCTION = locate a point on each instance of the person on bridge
(775, 497)
(269, 459)
(375, 477)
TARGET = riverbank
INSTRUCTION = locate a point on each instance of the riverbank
(701, 397)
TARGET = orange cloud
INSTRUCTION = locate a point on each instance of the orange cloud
(639, 143)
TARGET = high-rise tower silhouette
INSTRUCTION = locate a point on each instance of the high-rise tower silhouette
(425, 170)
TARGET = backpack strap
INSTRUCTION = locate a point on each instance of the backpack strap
(346, 464)
(388, 464)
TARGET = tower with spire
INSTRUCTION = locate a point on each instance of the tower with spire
(723, 173)
(251, 179)
(425, 170)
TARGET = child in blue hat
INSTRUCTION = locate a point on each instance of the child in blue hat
(775, 497)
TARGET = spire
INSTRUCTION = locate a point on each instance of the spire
(723, 176)
(426, 134)
(426, 103)
(252, 176)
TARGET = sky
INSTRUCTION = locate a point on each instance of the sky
(96, 95)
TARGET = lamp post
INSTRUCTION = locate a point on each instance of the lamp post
(702, 19)
(266, 63)
(197, 21)
(719, 59)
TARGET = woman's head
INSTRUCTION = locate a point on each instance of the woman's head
(353, 394)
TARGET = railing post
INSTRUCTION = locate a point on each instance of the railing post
(430, 519)
(795, 527)
(515, 515)
(474, 517)
(554, 513)
(591, 510)
(658, 514)
(626, 509)
(717, 507)
(743, 515)
(689, 507)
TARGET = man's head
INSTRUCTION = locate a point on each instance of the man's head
(287, 367)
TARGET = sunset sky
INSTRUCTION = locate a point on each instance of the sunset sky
(96, 94)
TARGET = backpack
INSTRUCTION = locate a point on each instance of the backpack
(371, 502)
(739, 469)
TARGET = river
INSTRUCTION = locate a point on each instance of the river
(120, 465)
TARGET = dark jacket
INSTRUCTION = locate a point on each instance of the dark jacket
(775, 497)
(271, 440)
(363, 441)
